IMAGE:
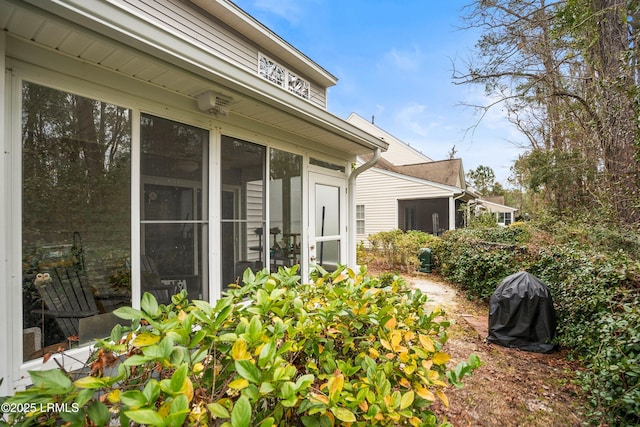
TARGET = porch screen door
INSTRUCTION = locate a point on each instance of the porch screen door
(327, 221)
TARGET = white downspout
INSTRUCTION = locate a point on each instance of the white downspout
(351, 189)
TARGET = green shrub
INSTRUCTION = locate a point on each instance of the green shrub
(363, 256)
(339, 351)
(592, 234)
(612, 374)
(592, 284)
(386, 279)
(401, 248)
(477, 264)
(581, 292)
(482, 220)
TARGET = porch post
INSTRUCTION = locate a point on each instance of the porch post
(6, 333)
(452, 213)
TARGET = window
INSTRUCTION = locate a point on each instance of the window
(285, 208)
(328, 224)
(174, 216)
(360, 219)
(326, 165)
(76, 210)
(504, 218)
(243, 208)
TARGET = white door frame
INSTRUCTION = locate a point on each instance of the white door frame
(314, 241)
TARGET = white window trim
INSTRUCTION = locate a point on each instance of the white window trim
(360, 219)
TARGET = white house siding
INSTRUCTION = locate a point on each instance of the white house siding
(401, 154)
(398, 152)
(318, 95)
(379, 192)
(255, 207)
(213, 36)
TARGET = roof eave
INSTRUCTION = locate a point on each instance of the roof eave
(497, 206)
(251, 28)
(112, 21)
(454, 190)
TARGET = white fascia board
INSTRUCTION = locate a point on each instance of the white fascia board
(496, 207)
(112, 20)
(454, 190)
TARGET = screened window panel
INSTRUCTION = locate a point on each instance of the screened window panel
(174, 203)
(76, 216)
(244, 238)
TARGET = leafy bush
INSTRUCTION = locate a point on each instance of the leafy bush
(386, 279)
(614, 370)
(591, 234)
(363, 256)
(339, 351)
(482, 220)
(592, 284)
(581, 291)
(401, 248)
(479, 265)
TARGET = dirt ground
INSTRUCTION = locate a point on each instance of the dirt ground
(511, 387)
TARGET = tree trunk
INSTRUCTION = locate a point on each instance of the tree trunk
(616, 87)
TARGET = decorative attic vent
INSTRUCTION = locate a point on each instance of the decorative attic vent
(298, 86)
(280, 76)
(272, 71)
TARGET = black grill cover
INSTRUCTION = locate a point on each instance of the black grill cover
(521, 314)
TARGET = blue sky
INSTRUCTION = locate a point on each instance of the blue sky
(394, 61)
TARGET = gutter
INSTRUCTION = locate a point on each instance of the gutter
(351, 189)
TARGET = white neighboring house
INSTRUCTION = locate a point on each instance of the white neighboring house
(504, 215)
(408, 190)
(398, 153)
(156, 145)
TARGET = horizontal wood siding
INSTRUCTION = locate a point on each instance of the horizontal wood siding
(200, 30)
(212, 35)
(318, 96)
(255, 215)
(400, 153)
(379, 193)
